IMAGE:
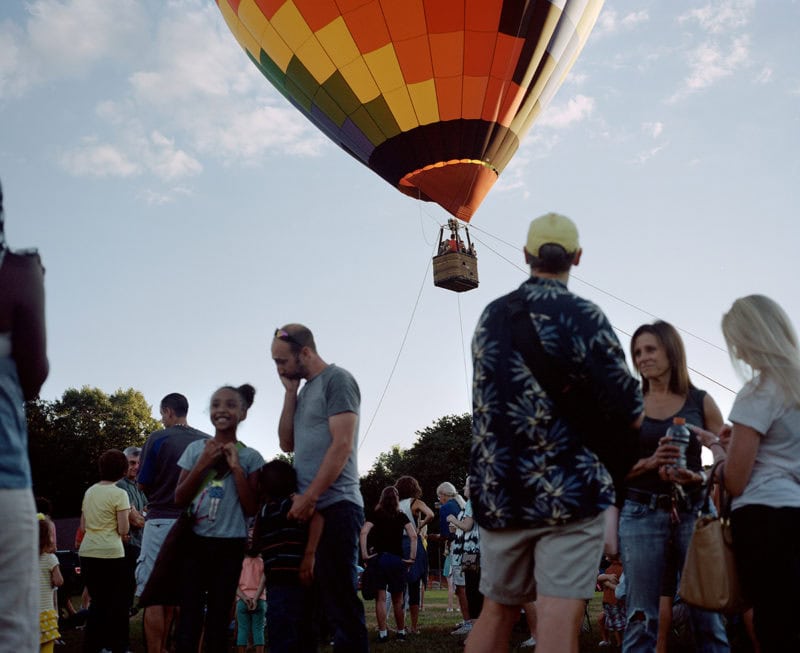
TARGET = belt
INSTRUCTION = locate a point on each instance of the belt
(663, 501)
(660, 501)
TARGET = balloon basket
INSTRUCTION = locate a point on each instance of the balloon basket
(455, 271)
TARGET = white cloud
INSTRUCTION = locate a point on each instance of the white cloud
(721, 16)
(67, 39)
(653, 129)
(646, 155)
(193, 97)
(764, 76)
(710, 62)
(160, 197)
(98, 160)
(577, 109)
(168, 162)
(610, 22)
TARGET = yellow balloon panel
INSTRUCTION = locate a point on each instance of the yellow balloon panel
(432, 95)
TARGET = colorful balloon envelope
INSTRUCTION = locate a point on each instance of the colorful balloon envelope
(432, 95)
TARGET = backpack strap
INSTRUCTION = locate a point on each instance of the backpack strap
(547, 369)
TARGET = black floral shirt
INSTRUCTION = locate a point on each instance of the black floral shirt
(527, 468)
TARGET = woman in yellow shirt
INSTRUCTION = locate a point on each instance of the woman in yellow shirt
(104, 519)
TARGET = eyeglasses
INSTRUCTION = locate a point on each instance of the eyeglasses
(283, 334)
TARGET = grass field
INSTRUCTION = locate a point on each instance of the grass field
(435, 624)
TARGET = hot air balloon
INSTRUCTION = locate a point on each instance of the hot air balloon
(432, 95)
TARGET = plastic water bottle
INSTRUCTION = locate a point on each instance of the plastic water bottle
(679, 435)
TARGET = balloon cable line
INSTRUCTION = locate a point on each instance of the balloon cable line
(399, 352)
(464, 354)
(616, 328)
(605, 292)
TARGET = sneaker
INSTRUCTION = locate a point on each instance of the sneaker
(400, 636)
(382, 639)
(449, 609)
(604, 644)
(464, 629)
(528, 643)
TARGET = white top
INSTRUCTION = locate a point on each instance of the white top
(405, 508)
(775, 479)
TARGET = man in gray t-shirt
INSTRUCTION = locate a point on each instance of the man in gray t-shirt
(319, 423)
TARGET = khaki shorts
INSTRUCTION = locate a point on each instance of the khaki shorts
(557, 561)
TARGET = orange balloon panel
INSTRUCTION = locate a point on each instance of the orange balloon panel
(432, 95)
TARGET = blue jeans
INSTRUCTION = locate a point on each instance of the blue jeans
(289, 620)
(645, 533)
(337, 581)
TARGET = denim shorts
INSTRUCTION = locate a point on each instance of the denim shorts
(153, 535)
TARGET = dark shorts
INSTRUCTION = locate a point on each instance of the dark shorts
(390, 573)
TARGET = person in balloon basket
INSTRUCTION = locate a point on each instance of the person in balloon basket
(319, 423)
(538, 493)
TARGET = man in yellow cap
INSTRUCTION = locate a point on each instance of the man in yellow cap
(538, 492)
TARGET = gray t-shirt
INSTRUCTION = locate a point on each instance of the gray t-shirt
(775, 479)
(217, 510)
(331, 392)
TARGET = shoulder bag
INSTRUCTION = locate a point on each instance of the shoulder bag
(709, 579)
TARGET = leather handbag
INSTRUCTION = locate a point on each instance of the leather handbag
(709, 579)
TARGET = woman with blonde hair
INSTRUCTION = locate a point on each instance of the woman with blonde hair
(761, 469)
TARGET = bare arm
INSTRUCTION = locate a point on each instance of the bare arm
(365, 529)
(465, 524)
(190, 479)
(286, 421)
(412, 535)
(713, 415)
(741, 456)
(343, 432)
(28, 335)
(246, 485)
(136, 518)
(418, 505)
(123, 525)
(665, 454)
(309, 556)
(56, 579)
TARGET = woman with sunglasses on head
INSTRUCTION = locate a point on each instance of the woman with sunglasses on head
(219, 482)
(662, 499)
(761, 468)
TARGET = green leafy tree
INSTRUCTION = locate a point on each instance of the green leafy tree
(67, 436)
(440, 453)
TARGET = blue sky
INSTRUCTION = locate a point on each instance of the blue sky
(184, 209)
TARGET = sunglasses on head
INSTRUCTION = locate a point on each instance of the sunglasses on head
(283, 334)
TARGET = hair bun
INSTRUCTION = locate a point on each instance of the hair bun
(248, 393)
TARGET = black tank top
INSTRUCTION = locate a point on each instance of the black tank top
(654, 429)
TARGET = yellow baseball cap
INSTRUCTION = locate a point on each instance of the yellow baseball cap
(552, 229)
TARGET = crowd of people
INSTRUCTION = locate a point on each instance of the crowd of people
(198, 524)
